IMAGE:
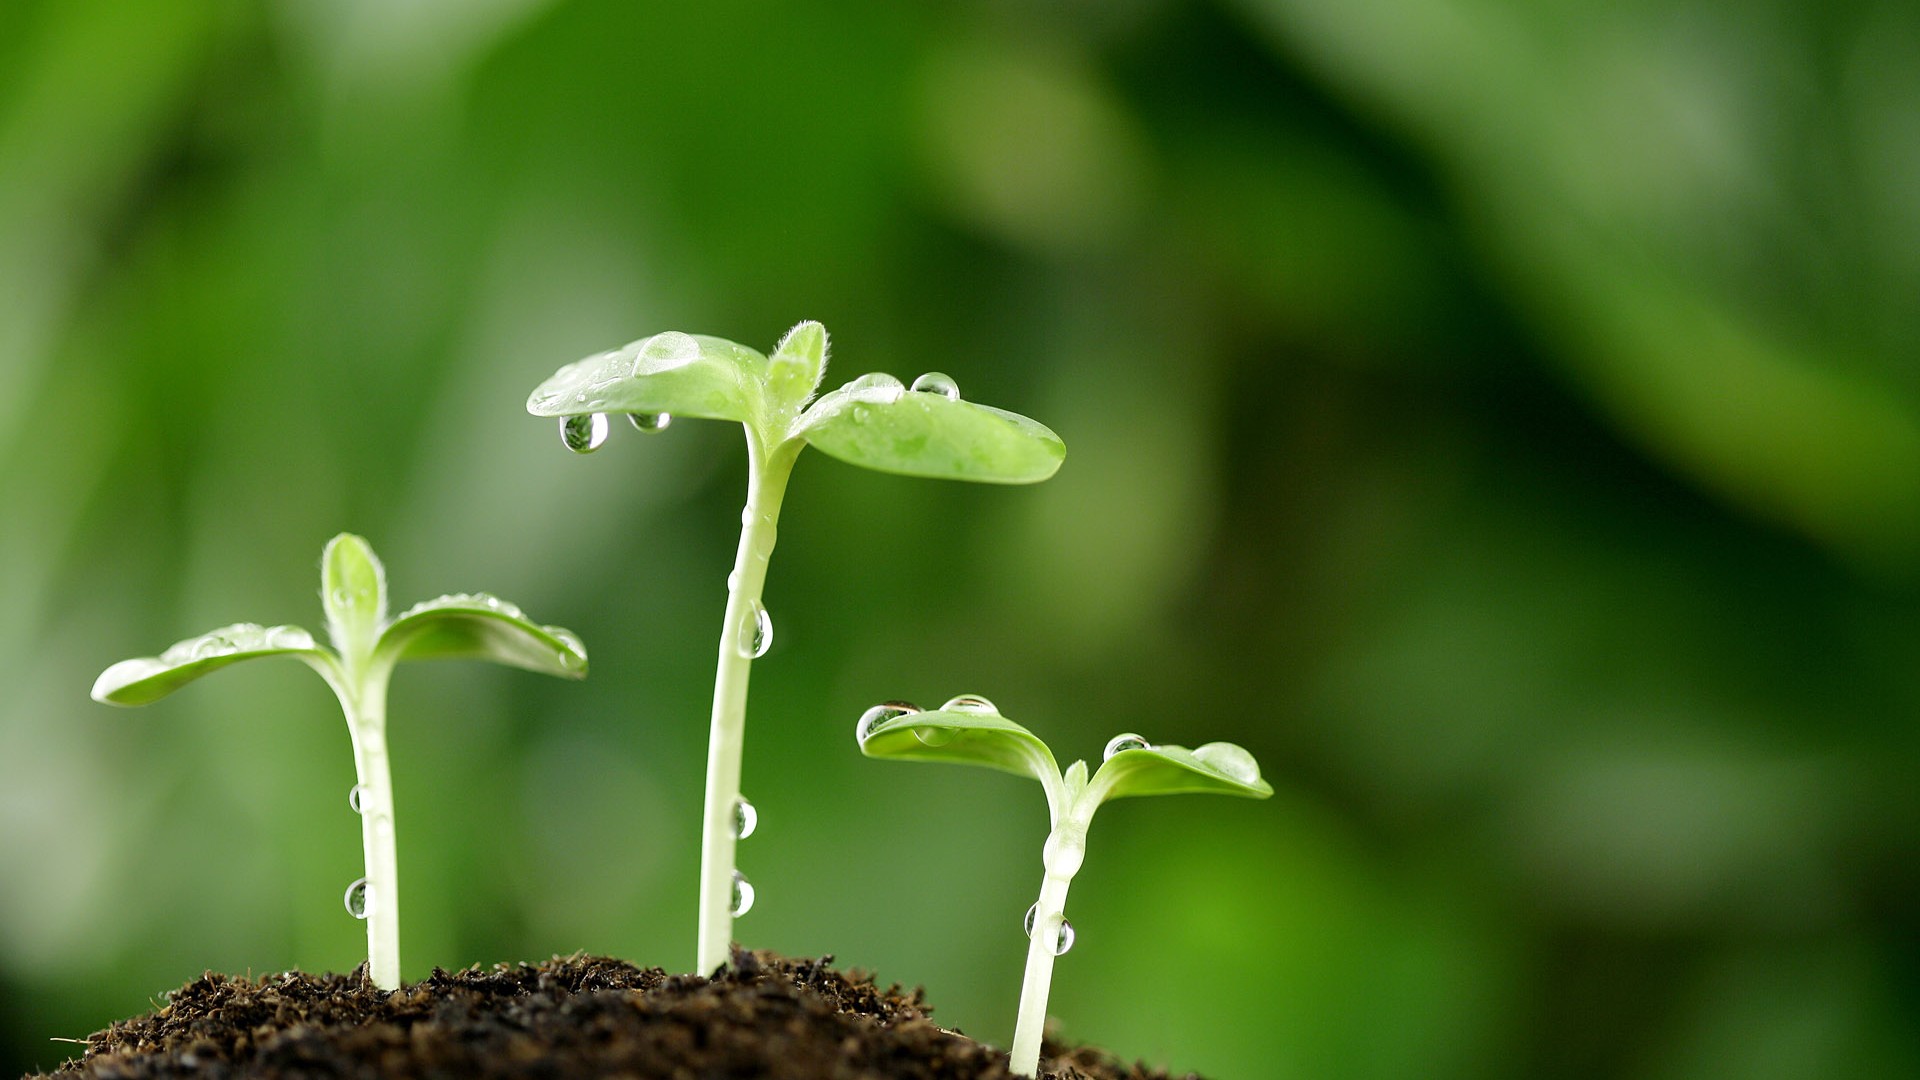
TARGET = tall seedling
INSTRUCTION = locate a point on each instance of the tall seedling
(366, 646)
(874, 421)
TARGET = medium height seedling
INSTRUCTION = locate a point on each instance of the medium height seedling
(366, 646)
(874, 421)
(968, 730)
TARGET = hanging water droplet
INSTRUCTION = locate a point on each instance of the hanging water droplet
(1033, 912)
(583, 433)
(880, 714)
(971, 703)
(756, 633)
(359, 899)
(1120, 743)
(936, 382)
(651, 423)
(357, 799)
(935, 736)
(742, 894)
(745, 818)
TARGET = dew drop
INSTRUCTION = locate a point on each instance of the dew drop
(935, 736)
(877, 388)
(1062, 941)
(651, 423)
(936, 382)
(1231, 760)
(880, 714)
(742, 894)
(288, 637)
(664, 352)
(583, 433)
(359, 899)
(357, 799)
(745, 818)
(1122, 743)
(756, 633)
(213, 645)
(971, 703)
(1033, 912)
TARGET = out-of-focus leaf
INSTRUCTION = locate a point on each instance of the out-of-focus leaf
(876, 423)
(670, 372)
(482, 627)
(150, 678)
(353, 590)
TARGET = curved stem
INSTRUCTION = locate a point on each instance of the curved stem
(366, 709)
(768, 471)
(1039, 976)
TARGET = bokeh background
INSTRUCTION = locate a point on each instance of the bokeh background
(1501, 416)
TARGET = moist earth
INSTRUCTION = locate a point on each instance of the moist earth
(761, 1016)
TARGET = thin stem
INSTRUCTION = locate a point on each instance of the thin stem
(366, 709)
(768, 471)
(1047, 918)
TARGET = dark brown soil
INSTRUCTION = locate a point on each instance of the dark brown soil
(761, 1016)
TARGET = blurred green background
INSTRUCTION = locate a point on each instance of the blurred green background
(1501, 416)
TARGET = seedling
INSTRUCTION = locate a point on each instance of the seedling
(969, 730)
(366, 646)
(874, 421)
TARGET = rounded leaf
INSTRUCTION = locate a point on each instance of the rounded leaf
(353, 591)
(1219, 768)
(797, 365)
(963, 738)
(150, 678)
(671, 372)
(876, 423)
(482, 627)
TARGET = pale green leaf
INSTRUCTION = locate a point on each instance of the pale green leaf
(150, 678)
(670, 372)
(353, 591)
(482, 627)
(797, 365)
(876, 423)
(1219, 768)
(963, 738)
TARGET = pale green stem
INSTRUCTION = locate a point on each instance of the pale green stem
(366, 709)
(768, 471)
(1039, 976)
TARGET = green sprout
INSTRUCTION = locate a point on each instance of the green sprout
(969, 730)
(366, 646)
(874, 421)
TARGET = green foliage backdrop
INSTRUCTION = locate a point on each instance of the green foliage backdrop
(1501, 417)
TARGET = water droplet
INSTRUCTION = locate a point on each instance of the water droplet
(1063, 939)
(742, 894)
(935, 382)
(213, 645)
(651, 423)
(935, 736)
(583, 433)
(288, 637)
(745, 818)
(1120, 743)
(357, 799)
(756, 633)
(880, 714)
(664, 352)
(971, 703)
(878, 388)
(359, 899)
(1231, 760)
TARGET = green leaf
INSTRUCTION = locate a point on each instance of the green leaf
(963, 738)
(876, 423)
(798, 363)
(670, 372)
(1219, 768)
(482, 627)
(353, 590)
(150, 678)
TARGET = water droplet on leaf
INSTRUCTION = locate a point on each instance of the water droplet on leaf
(359, 899)
(651, 423)
(1121, 743)
(756, 632)
(664, 352)
(877, 387)
(971, 703)
(935, 736)
(880, 714)
(742, 894)
(584, 433)
(936, 382)
(745, 818)
(1231, 760)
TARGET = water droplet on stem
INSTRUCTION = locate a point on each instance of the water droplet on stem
(357, 799)
(359, 899)
(1063, 938)
(742, 894)
(756, 632)
(745, 818)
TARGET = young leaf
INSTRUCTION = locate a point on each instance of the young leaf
(482, 627)
(670, 372)
(1218, 768)
(875, 423)
(798, 363)
(353, 591)
(150, 678)
(963, 738)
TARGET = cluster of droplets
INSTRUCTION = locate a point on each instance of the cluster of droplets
(583, 433)
(1062, 938)
(487, 601)
(238, 638)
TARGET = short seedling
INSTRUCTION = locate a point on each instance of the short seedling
(968, 730)
(873, 421)
(366, 646)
